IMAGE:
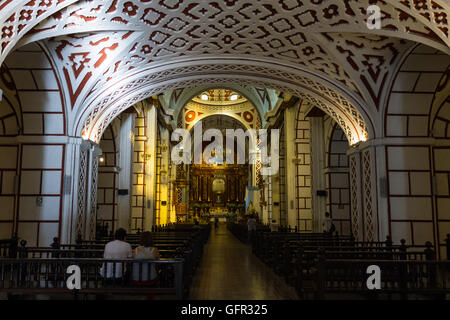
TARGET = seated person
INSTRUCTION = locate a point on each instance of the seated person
(196, 225)
(141, 274)
(116, 249)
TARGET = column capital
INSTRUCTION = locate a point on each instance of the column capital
(74, 140)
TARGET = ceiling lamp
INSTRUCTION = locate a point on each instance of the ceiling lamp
(234, 97)
(205, 97)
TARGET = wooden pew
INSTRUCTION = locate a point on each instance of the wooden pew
(49, 276)
(185, 246)
(402, 279)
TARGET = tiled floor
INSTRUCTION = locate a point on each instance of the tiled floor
(229, 270)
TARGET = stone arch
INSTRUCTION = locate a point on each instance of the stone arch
(232, 111)
(343, 107)
(238, 120)
(440, 112)
(416, 172)
(38, 92)
(412, 93)
(32, 90)
(187, 95)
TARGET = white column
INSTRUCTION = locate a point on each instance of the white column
(290, 137)
(172, 195)
(164, 186)
(91, 199)
(70, 188)
(368, 189)
(367, 164)
(150, 166)
(381, 196)
(252, 188)
(126, 146)
(354, 158)
(276, 209)
(265, 209)
(318, 171)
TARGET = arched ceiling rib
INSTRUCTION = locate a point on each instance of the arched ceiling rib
(244, 113)
(345, 110)
(259, 97)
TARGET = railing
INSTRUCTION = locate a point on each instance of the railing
(49, 276)
(415, 277)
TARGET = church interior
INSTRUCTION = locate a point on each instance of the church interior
(94, 96)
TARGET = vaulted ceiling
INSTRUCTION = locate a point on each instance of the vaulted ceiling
(113, 53)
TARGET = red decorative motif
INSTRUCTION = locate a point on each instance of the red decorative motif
(260, 28)
(321, 37)
(248, 116)
(190, 116)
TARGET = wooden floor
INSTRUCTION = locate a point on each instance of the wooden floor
(229, 270)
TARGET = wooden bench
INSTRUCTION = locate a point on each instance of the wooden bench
(48, 276)
(404, 278)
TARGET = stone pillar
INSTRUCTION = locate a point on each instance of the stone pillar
(91, 199)
(369, 202)
(354, 159)
(75, 148)
(164, 176)
(265, 208)
(290, 138)
(126, 146)
(381, 191)
(363, 192)
(80, 190)
(252, 188)
(82, 185)
(150, 166)
(319, 203)
(276, 209)
(172, 191)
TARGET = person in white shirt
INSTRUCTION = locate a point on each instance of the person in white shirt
(145, 251)
(327, 224)
(251, 224)
(144, 273)
(251, 227)
(117, 249)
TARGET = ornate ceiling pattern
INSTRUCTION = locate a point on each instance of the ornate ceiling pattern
(86, 58)
(286, 30)
(97, 44)
(19, 16)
